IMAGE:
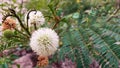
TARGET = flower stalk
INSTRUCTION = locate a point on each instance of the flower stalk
(21, 24)
(56, 18)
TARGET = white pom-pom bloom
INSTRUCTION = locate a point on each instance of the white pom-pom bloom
(44, 41)
(35, 17)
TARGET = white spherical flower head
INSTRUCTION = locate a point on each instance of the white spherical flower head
(35, 17)
(44, 41)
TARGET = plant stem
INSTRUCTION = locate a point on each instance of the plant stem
(21, 33)
(56, 18)
(35, 26)
(54, 25)
(112, 15)
(28, 19)
(21, 24)
(18, 37)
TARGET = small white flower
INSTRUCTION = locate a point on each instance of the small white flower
(35, 17)
(44, 41)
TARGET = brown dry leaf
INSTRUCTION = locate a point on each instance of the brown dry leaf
(42, 61)
(9, 23)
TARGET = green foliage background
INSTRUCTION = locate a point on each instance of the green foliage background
(84, 32)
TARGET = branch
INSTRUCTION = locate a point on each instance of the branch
(57, 18)
(112, 15)
(5, 16)
(35, 26)
(21, 24)
(21, 33)
(28, 18)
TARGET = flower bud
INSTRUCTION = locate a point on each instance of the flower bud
(8, 33)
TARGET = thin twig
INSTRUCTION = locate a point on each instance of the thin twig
(54, 25)
(28, 18)
(21, 6)
(18, 37)
(115, 12)
(21, 33)
(35, 26)
(4, 17)
(21, 24)
(57, 20)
